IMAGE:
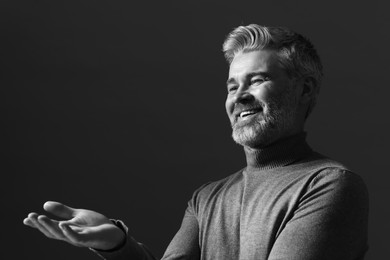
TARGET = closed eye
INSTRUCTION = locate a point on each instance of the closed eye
(259, 80)
(231, 89)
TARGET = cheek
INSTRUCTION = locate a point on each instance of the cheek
(228, 106)
(262, 92)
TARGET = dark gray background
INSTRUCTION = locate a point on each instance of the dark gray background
(119, 107)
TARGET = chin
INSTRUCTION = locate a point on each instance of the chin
(263, 131)
(252, 137)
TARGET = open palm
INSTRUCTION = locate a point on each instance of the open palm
(81, 227)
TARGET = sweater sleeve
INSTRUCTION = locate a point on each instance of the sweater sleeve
(330, 221)
(185, 244)
(131, 249)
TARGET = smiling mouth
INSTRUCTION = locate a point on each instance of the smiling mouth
(247, 113)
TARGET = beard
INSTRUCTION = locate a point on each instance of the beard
(275, 120)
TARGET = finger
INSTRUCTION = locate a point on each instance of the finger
(74, 237)
(52, 226)
(28, 221)
(34, 220)
(59, 209)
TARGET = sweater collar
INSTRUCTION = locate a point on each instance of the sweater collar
(278, 154)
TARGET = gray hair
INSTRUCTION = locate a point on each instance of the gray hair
(296, 53)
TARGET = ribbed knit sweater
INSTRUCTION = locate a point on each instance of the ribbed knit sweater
(287, 203)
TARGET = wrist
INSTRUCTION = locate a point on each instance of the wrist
(121, 238)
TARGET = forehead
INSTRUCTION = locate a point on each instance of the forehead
(254, 61)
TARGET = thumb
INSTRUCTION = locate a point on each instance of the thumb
(59, 209)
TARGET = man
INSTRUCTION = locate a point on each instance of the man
(287, 203)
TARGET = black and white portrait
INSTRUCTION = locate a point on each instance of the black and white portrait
(194, 130)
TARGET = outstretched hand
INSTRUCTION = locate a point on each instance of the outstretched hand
(81, 227)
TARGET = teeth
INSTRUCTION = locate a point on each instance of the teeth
(245, 113)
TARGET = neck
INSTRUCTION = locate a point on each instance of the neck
(280, 153)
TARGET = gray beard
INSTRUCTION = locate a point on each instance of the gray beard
(276, 120)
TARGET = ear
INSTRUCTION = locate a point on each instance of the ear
(309, 88)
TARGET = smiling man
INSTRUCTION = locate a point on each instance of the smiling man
(288, 202)
(262, 101)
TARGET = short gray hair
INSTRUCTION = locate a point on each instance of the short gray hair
(296, 53)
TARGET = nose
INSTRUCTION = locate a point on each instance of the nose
(242, 96)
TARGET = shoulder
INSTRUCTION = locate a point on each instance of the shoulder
(326, 171)
(318, 162)
(332, 172)
(341, 184)
(212, 186)
(337, 176)
(334, 186)
(211, 189)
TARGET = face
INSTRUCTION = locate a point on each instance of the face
(262, 100)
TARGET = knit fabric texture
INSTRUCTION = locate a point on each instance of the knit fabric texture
(287, 203)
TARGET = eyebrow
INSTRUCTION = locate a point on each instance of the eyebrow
(230, 81)
(249, 75)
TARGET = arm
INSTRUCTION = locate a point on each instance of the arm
(130, 249)
(110, 239)
(330, 221)
(87, 228)
(184, 245)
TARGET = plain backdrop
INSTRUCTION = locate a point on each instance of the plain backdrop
(118, 106)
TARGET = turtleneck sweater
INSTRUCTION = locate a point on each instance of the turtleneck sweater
(289, 202)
